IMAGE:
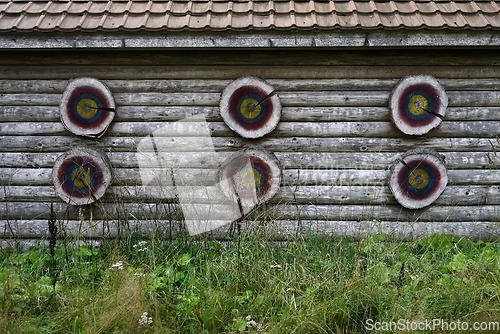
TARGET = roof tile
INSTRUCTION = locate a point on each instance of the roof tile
(468, 7)
(239, 7)
(493, 20)
(10, 20)
(433, 21)
(201, 8)
(174, 15)
(427, 7)
(347, 7)
(303, 7)
(111, 21)
(324, 7)
(369, 20)
(392, 21)
(447, 7)
(15, 7)
(36, 7)
(455, 21)
(325, 21)
(117, 7)
(365, 7)
(491, 7)
(91, 22)
(78, 8)
(159, 7)
(97, 7)
(386, 7)
(476, 21)
(283, 7)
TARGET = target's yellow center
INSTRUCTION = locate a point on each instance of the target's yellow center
(250, 108)
(418, 179)
(249, 177)
(81, 177)
(418, 105)
(86, 108)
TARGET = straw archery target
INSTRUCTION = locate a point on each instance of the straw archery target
(87, 107)
(418, 178)
(249, 107)
(81, 176)
(251, 176)
(418, 104)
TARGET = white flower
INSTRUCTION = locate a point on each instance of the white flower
(252, 323)
(275, 266)
(145, 320)
(118, 265)
(141, 246)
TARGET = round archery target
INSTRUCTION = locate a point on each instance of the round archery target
(87, 107)
(250, 107)
(81, 176)
(250, 176)
(418, 104)
(418, 178)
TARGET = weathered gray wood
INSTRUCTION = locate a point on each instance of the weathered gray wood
(316, 194)
(277, 230)
(284, 129)
(307, 99)
(273, 57)
(166, 211)
(397, 213)
(305, 160)
(289, 114)
(359, 177)
(288, 229)
(224, 72)
(290, 177)
(37, 143)
(206, 85)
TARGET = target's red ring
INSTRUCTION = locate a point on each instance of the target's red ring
(418, 104)
(81, 175)
(418, 178)
(250, 107)
(87, 107)
(251, 176)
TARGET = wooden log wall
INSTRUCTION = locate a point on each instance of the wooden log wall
(335, 140)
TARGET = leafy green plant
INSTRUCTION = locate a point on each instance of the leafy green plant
(325, 285)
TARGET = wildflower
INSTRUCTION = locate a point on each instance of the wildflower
(252, 323)
(141, 246)
(118, 265)
(275, 266)
(145, 320)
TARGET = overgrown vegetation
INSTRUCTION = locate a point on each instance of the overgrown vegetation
(308, 286)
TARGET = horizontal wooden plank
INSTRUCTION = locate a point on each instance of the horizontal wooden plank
(317, 194)
(165, 211)
(289, 114)
(450, 129)
(289, 160)
(21, 230)
(58, 143)
(290, 177)
(392, 213)
(274, 57)
(293, 229)
(225, 72)
(206, 85)
(298, 99)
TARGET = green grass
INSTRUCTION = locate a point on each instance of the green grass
(308, 286)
